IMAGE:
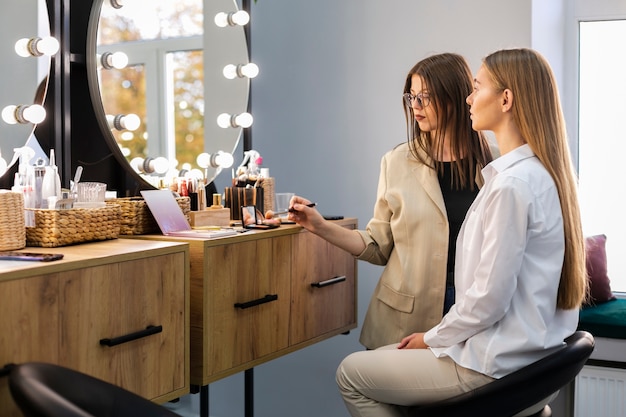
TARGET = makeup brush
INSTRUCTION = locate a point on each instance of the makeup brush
(291, 210)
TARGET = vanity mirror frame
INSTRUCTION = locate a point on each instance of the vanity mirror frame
(221, 46)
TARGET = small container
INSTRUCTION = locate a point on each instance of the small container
(91, 192)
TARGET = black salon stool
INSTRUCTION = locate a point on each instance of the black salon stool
(47, 390)
(520, 390)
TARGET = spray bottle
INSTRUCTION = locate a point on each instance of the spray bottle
(51, 184)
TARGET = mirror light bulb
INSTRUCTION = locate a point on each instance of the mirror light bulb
(161, 165)
(23, 114)
(225, 120)
(34, 114)
(239, 18)
(48, 46)
(37, 46)
(203, 160)
(231, 71)
(220, 159)
(244, 120)
(223, 159)
(111, 60)
(124, 121)
(249, 70)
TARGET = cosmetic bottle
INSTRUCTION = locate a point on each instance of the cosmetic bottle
(51, 184)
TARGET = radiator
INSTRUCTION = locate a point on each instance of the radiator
(600, 392)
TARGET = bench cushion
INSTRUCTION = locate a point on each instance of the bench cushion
(605, 320)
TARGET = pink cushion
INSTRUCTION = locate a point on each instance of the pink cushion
(600, 284)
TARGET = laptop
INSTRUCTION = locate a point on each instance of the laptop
(171, 219)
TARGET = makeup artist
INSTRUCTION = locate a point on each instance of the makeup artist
(425, 188)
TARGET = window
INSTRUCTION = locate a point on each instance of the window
(602, 138)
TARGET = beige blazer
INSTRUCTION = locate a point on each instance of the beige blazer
(409, 235)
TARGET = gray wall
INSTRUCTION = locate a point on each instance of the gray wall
(327, 106)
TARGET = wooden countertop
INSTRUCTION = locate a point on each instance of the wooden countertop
(250, 234)
(87, 255)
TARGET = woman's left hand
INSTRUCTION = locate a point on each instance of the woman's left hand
(413, 341)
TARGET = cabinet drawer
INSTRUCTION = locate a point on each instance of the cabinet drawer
(128, 315)
(28, 328)
(323, 288)
(247, 302)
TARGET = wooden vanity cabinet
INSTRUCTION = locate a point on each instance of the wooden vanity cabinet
(263, 294)
(117, 310)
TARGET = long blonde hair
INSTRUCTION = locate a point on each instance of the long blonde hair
(539, 117)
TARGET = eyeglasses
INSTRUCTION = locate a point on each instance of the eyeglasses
(421, 100)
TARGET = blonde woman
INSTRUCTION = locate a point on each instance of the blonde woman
(520, 267)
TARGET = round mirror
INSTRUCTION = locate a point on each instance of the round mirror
(156, 73)
(25, 31)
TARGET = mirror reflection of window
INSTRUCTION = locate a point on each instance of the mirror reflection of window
(601, 138)
(163, 83)
(185, 74)
(124, 91)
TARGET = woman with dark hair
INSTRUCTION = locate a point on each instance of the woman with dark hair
(520, 262)
(424, 190)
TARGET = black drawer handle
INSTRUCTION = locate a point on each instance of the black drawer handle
(150, 330)
(263, 300)
(331, 281)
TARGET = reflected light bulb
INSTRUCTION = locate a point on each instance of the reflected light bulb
(8, 114)
(137, 163)
(230, 71)
(21, 47)
(203, 160)
(223, 120)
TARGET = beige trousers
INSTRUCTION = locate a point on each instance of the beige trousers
(383, 382)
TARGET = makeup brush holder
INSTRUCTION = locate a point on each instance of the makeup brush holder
(236, 197)
(12, 223)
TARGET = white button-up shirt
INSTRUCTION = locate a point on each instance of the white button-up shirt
(508, 266)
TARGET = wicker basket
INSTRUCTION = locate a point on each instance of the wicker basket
(66, 227)
(136, 218)
(12, 227)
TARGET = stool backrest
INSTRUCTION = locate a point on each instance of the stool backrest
(521, 389)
